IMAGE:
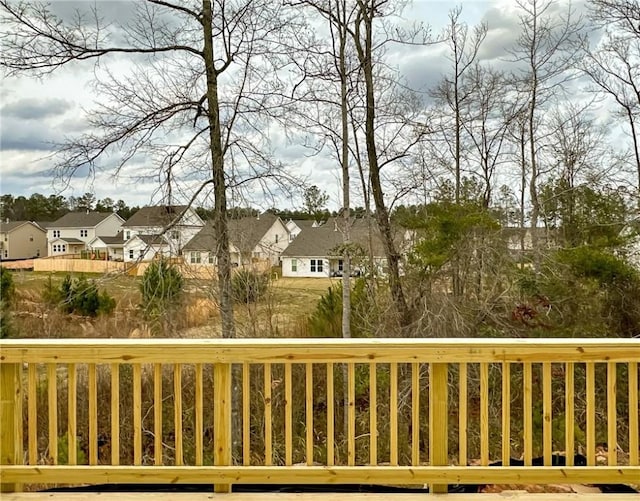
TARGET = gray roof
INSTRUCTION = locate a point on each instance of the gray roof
(320, 241)
(115, 240)
(81, 220)
(71, 240)
(152, 239)
(6, 227)
(244, 233)
(156, 215)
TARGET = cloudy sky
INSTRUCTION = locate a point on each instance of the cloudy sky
(38, 113)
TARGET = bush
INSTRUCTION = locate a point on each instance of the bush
(79, 296)
(161, 288)
(249, 286)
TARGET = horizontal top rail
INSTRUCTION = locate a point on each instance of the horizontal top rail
(381, 350)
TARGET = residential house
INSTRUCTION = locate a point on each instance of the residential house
(73, 232)
(110, 248)
(22, 240)
(171, 226)
(250, 238)
(315, 251)
(520, 240)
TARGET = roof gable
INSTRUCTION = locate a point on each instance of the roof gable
(245, 233)
(82, 219)
(159, 215)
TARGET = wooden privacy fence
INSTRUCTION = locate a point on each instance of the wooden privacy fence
(373, 411)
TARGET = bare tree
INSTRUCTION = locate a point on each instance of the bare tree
(545, 51)
(614, 64)
(452, 90)
(191, 101)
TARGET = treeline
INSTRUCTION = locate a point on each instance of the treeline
(38, 207)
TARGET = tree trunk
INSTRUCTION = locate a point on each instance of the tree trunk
(219, 183)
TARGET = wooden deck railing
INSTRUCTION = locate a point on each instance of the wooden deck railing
(376, 411)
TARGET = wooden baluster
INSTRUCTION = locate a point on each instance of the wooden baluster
(484, 414)
(199, 404)
(506, 413)
(246, 415)
(634, 431)
(268, 424)
(115, 414)
(462, 415)
(373, 414)
(10, 395)
(591, 414)
(612, 424)
(72, 395)
(32, 410)
(157, 414)
(93, 415)
(309, 412)
(569, 413)
(547, 436)
(222, 430)
(527, 410)
(288, 417)
(351, 415)
(438, 420)
(415, 414)
(52, 393)
(137, 414)
(330, 416)
(393, 414)
(177, 412)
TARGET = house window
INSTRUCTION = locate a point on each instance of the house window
(212, 258)
(30, 238)
(175, 235)
(64, 248)
(276, 238)
(37, 252)
(127, 235)
(196, 258)
(6, 253)
(316, 265)
(294, 265)
(340, 265)
(84, 233)
(141, 253)
(130, 253)
(56, 233)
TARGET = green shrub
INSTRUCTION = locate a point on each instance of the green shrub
(249, 286)
(79, 296)
(161, 288)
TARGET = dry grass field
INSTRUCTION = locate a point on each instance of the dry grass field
(282, 312)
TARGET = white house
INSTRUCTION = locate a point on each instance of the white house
(171, 226)
(73, 232)
(315, 251)
(112, 247)
(250, 238)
